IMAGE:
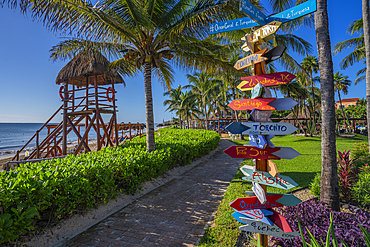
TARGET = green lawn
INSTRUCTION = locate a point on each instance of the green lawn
(302, 169)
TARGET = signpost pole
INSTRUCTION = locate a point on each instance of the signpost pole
(261, 164)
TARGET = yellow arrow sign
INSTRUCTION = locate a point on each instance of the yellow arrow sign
(266, 31)
(251, 59)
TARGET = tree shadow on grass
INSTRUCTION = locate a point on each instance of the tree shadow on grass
(303, 179)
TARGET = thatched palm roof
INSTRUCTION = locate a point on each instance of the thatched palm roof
(85, 65)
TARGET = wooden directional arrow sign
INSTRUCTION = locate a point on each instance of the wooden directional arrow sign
(257, 91)
(255, 128)
(273, 79)
(260, 116)
(246, 22)
(274, 54)
(283, 104)
(270, 128)
(257, 214)
(259, 192)
(286, 199)
(253, 12)
(250, 60)
(272, 168)
(262, 228)
(250, 104)
(250, 152)
(245, 203)
(280, 221)
(266, 31)
(264, 104)
(258, 141)
(280, 181)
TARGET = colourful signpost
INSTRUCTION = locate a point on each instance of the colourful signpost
(263, 129)
(273, 79)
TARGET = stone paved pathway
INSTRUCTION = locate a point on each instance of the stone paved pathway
(172, 215)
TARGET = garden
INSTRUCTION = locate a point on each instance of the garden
(36, 195)
(354, 182)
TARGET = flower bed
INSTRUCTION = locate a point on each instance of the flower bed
(55, 189)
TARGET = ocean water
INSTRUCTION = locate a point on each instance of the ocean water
(13, 136)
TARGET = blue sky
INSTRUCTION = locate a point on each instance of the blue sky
(28, 92)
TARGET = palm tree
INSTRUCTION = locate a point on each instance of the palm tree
(341, 83)
(329, 191)
(174, 103)
(361, 102)
(366, 23)
(148, 36)
(189, 107)
(311, 65)
(201, 85)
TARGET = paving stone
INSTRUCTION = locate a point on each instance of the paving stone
(174, 214)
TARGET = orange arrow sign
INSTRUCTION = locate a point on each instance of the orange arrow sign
(250, 104)
(273, 79)
(250, 60)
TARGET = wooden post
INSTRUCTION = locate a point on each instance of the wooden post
(65, 111)
(73, 97)
(87, 108)
(218, 125)
(140, 130)
(17, 155)
(115, 118)
(37, 144)
(47, 156)
(129, 126)
(97, 111)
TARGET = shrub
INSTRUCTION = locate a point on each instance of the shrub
(315, 185)
(346, 174)
(55, 189)
(360, 150)
(315, 217)
(361, 190)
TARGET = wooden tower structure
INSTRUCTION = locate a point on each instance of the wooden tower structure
(87, 91)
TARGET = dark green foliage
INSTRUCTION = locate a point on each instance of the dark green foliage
(361, 189)
(57, 188)
(360, 151)
(315, 185)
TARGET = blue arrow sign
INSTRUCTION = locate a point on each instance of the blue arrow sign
(280, 181)
(284, 16)
(255, 128)
(257, 141)
(268, 139)
(237, 128)
(286, 153)
(253, 12)
(256, 214)
(283, 103)
(294, 12)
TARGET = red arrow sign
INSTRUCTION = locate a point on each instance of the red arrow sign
(280, 221)
(246, 203)
(251, 152)
(250, 104)
(266, 80)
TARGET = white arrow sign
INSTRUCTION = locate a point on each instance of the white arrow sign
(259, 192)
(269, 128)
(262, 228)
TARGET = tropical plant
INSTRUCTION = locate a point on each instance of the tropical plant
(329, 178)
(189, 107)
(311, 65)
(341, 83)
(148, 36)
(346, 174)
(202, 86)
(174, 103)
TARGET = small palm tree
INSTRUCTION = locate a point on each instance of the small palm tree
(189, 107)
(174, 103)
(202, 86)
(341, 83)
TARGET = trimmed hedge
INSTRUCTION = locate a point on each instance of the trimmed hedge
(54, 189)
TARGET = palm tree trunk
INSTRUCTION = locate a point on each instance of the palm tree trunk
(341, 107)
(180, 121)
(314, 112)
(150, 142)
(329, 191)
(366, 21)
